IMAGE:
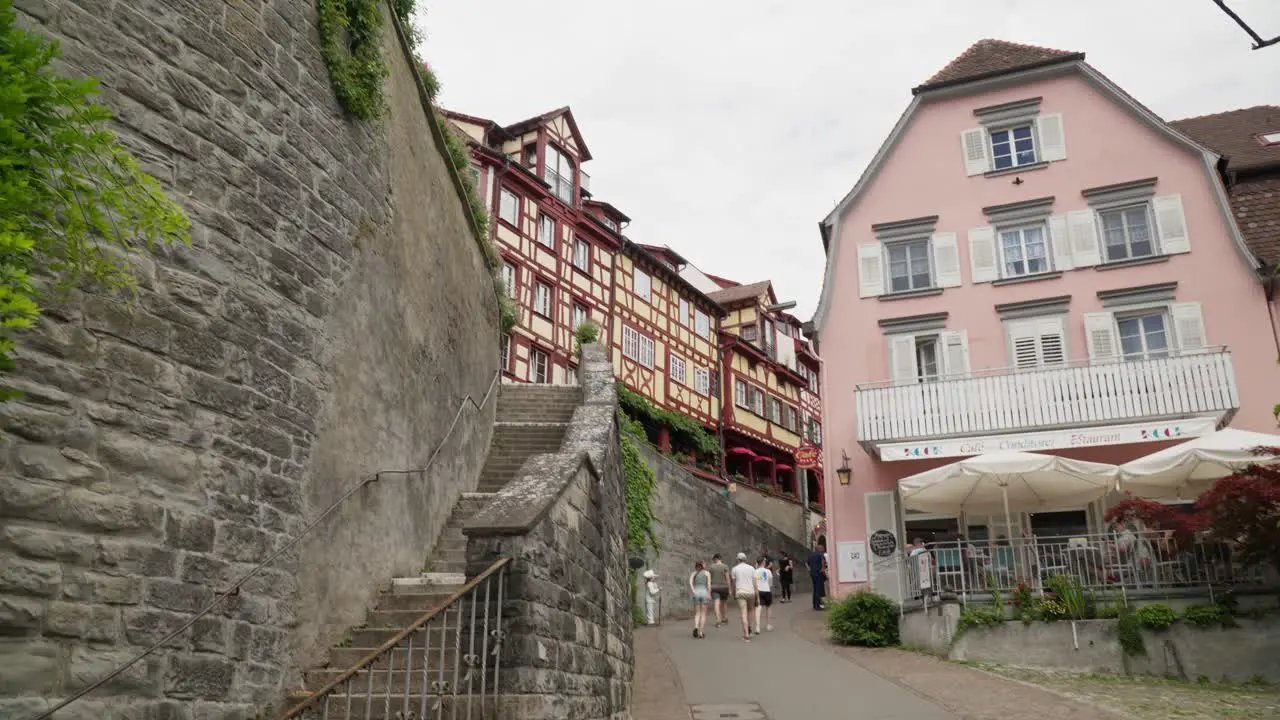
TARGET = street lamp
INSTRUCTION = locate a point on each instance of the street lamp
(844, 472)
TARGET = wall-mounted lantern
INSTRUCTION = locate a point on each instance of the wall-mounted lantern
(844, 472)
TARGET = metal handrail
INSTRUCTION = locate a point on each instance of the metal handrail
(1071, 363)
(396, 639)
(235, 587)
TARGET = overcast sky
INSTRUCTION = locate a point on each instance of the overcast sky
(727, 130)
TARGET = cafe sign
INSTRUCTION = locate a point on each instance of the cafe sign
(1052, 440)
(808, 458)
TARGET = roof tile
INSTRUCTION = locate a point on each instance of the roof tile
(1235, 135)
(990, 57)
(737, 293)
(1256, 204)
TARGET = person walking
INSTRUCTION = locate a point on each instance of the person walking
(764, 590)
(817, 573)
(720, 589)
(700, 587)
(743, 582)
(786, 577)
(651, 597)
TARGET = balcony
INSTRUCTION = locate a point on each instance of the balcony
(1075, 394)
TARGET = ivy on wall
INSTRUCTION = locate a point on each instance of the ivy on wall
(641, 488)
(74, 204)
(685, 430)
(351, 44)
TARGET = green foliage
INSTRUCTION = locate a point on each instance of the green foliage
(1067, 590)
(979, 616)
(1156, 616)
(1129, 630)
(684, 430)
(351, 44)
(1110, 611)
(1206, 615)
(73, 203)
(864, 618)
(641, 487)
(587, 333)
(1050, 610)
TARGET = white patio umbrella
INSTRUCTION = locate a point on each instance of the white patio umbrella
(987, 484)
(1190, 468)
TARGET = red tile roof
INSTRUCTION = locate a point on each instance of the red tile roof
(1255, 194)
(989, 58)
(1234, 134)
(738, 293)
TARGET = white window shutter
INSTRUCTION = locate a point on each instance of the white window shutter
(902, 358)
(1052, 341)
(1024, 350)
(983, 265)
(946, 259)
(955, 352)
(1060, 239)
(1188, 327)
(973, 143)
(1101, 336)
(1171, 223)
(1085, 250)
(1053, 140)
(870, 270)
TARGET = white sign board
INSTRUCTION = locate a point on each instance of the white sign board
(851, 559)
(1052, 440)
(922, 567)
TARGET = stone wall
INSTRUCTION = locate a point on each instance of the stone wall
(695, 521)
(562, 520)
(787, 516)
(328, 321)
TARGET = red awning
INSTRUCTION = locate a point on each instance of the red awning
(764, 457)
(742, 451)
(784, 467)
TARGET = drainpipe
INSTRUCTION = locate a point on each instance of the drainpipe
(1270, 276)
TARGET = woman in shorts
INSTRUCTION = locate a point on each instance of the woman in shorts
(764, 588)
(700, 587)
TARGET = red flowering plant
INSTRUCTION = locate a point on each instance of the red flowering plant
(1244, 510)
(1157, 516)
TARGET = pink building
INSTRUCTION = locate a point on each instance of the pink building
(1035, 261)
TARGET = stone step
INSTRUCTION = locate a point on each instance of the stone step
(425, 596)
(450, 566)
(396, 681)
(365, 640)
(536, 414)
(401, 619)
(427, 582)
(359, 707)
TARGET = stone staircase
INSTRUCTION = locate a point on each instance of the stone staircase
(531, 419)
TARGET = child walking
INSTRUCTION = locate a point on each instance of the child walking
(700, 587)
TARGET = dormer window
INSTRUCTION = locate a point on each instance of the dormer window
(1271, 138)
(559, 174)
(609, 224)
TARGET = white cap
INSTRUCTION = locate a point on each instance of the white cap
(742, 556)
(649, 574)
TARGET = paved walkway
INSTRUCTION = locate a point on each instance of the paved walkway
(794, 673)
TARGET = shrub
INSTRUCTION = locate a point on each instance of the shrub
(1109, 611)
(1156, 616)
(978, 616)
(1129, 628)
(1067, 591)
(1206, 615)
(1049, 610)
(865, 618)
(587, 333)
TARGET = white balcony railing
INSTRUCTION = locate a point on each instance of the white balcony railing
(1073, 394)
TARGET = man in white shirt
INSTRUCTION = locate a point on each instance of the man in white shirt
(743, 579)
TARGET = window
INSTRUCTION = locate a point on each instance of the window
(1126, 233)
(506, 351)
(909, 266)
(609, 224)
(740, 396)
(1143, 336)
(678, 370)
(509, 207)
(1037, 342)
(1013, 147)
(927, 357)
(789, 418)
(559, 174)
(530, 155)
(715, 383)
(702, 324)
(509, 278)
(756, 397)
(1271, 138)
(537, 366)
(702, 381)
(582, 254)
(546, 230)
(813, 380)
(684, 312)
(641, 284)
(815, 430)
(571, 375)
(775, 411)
(581, 314)
(637, 347)
(751, 333)
(542, 299)
(1024, 251)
